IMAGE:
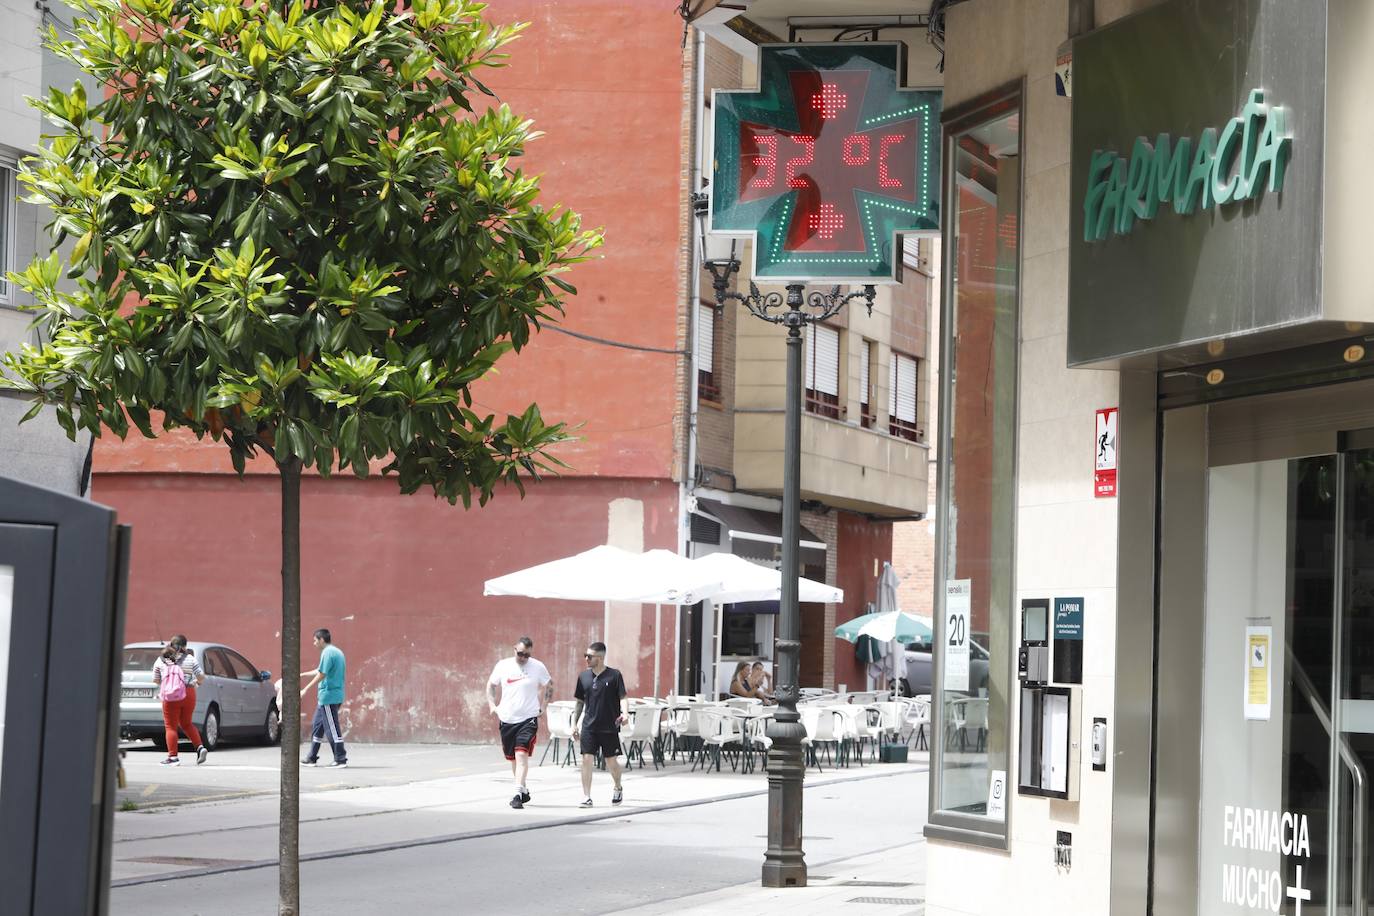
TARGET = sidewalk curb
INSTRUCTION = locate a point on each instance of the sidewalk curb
(442, 839)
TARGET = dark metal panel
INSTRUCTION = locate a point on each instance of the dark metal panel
(1180, 68)
(76, 792)
(1177, 736)
(29, 549)
(1129, 736)
(80, 630)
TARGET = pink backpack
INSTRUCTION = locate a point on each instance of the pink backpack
(173, 682)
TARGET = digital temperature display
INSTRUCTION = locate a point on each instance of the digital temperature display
(826, 162)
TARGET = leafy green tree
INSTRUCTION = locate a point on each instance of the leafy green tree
(295, 233)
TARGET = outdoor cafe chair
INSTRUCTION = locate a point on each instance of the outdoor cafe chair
(640, 730)
(891, 719)
(756, 738)
(684, 728)
(820, 725)
(917, 718)
(560, 722)
(970, 714)
(720, 729)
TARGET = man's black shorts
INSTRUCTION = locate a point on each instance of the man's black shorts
(608, 743)
(519, 736)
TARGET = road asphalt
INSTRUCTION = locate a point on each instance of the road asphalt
(430, 826)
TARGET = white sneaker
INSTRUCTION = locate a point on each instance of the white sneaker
(172, 762)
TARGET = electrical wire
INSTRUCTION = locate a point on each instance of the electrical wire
(615, 343)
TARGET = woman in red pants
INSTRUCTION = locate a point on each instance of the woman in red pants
(176, 674)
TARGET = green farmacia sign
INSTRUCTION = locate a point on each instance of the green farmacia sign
(1223, 167)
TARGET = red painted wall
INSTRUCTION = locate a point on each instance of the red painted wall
(858, 542)
(603, 79)
(398, 581)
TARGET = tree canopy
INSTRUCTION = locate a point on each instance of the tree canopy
(299, 228)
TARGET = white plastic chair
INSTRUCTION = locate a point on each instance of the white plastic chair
(643, 728)
(559, 717)
(819, 722)
(684, 727)
(970, 714)
(719, 729)
(918, 719)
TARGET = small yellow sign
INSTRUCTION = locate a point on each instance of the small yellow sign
(1258, 644)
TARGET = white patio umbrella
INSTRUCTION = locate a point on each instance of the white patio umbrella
(746, 581)
(607, 574)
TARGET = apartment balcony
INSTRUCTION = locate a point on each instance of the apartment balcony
(843, 464)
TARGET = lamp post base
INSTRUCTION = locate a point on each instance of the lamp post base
(784, 863)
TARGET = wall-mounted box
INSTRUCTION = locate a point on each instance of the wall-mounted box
(1050, 741)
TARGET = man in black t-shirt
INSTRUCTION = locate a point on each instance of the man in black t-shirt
(600, 694)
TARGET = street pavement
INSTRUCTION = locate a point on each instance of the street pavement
(430, 826)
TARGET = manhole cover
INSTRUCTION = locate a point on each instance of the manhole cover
(189, 861)
(893, 901)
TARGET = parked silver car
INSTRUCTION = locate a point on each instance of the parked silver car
(918, 669)
(237, 701)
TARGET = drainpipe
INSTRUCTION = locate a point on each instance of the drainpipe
(689, 473)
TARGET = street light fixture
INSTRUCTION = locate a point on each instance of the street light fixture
(784, 862)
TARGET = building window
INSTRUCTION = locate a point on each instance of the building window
(708, 350)
(823, 371)
(901, 398)
(8, 190)
(975, 562)
(866, 416)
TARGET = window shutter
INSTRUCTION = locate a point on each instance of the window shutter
(865, 387)
(706, 338)
(823, 368)
(902, 400)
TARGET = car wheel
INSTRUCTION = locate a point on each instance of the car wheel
(209, 732)
(271, 732)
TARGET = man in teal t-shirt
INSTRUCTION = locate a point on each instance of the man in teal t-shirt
(330, 676)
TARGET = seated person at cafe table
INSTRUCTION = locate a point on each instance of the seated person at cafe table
(742, 684)
(762, 682)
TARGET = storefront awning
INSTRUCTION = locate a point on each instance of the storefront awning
(757, 533)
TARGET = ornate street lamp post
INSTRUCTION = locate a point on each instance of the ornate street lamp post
(784, 863)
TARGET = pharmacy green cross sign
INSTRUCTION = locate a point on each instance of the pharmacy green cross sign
(827, 162)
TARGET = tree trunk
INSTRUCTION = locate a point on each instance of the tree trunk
(289, 886)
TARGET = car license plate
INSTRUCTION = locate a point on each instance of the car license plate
(138, 692)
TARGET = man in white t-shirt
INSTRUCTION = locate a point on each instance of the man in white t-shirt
(524, 687)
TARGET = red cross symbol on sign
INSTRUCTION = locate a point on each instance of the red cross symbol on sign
(827, 159)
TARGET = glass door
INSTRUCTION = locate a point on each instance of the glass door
(1288, 620)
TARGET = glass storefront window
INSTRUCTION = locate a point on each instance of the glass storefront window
(974, 581)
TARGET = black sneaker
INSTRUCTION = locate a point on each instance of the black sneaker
(586, 803)
(525, 796)
(518, 801)
(201, 754)
(307, 762)
(617, 797)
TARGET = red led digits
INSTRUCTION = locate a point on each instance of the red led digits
(766, 160)
(826, 222)
(830, 101)
(808, 155)
(857, 149)
(884, 179)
